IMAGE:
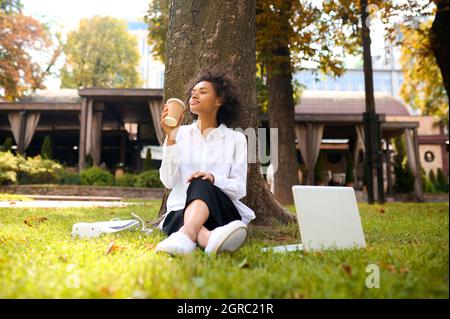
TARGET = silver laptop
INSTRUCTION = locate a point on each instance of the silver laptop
(328, 218)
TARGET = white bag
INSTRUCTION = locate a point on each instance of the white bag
(83, 230)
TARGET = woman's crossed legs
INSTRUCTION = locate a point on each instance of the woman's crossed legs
(195, 216)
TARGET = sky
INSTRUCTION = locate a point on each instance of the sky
(67, 13)
(64, 16)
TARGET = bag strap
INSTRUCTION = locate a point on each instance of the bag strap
(144, 229)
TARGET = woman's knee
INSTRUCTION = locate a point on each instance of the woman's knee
(199, 182)
(198, 203)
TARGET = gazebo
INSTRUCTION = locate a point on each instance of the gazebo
(110, 123)
(324, 116)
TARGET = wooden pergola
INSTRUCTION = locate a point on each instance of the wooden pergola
(339, 115)
(90, 112)
(94, 114)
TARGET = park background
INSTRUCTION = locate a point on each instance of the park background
(81, 90)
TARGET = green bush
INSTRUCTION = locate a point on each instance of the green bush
(404, 178)
(350, 170)
(7, 144)
(428, 187)
(318, 171)
(96, 176)
(432, 177)
(35, 170)
(148, 165)
(126, 180)
(149, 179)
(70, 178)
(441, 181)
(46, 150)
(8, 168)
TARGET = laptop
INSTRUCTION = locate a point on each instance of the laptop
(328, 218)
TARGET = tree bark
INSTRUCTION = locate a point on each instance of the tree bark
(221, 34)
(281, 115)
(440, 34)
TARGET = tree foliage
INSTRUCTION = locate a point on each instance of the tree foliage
(21, 37)
(423, 86)
(157, 19)
(101, 53)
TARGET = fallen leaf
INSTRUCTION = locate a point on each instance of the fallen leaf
(149, 246)
(381, 210)
(32, 219)
(12, 203)
(347, 269)
(299, 295)
(107, 291)
(389, 267)
(112, 247)
(404, 270)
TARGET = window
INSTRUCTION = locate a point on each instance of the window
(428, 156)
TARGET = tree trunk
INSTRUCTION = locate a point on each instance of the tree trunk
(220, 34)
(440, 34)
(281, 115)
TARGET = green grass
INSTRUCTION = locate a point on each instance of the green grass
(39, 259)
(4, 197)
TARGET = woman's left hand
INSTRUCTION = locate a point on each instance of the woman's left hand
(208, 176)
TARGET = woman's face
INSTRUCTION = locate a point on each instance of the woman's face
(204, 99)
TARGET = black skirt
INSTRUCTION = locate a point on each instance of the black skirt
(221, 209)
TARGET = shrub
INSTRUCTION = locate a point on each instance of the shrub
(350, 170)
(318, 171)
(432, 177)
(149, 179)
(441, 181)
(428, 187)
(31, 170)
(126, 180)
(404, 178)
(148, 165)
(96, 176)
(70, 178)
(35, 170)
(7, 144)
(8, 168)
(46, 150)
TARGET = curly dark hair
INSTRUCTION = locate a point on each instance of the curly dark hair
(225, 88)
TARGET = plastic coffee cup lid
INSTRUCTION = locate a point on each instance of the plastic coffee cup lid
(177, 100)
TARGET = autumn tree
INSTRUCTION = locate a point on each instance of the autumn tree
(220, 35)
(22, 39)
(440, 41)
(11, 6)
(101, 53)
(423, 87)
(396, 15)
(288, 33)
(157, 19)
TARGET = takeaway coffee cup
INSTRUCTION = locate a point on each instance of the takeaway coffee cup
(175, 107)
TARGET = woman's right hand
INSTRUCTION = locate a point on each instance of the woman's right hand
(170, 131)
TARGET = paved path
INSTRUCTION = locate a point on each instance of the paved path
(60, 203)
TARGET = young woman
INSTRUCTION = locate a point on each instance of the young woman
(205, 165)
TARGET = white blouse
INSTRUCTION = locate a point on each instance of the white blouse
(222, 153)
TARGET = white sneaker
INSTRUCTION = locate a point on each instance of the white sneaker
(177, 243)
(227, 238)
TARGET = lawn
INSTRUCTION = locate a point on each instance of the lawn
(39, 259)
